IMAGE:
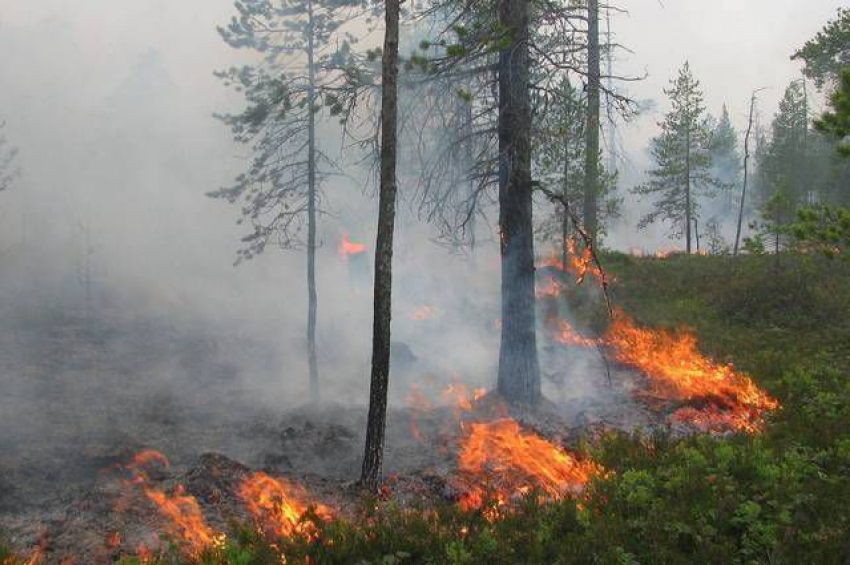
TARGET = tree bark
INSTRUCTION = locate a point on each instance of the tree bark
(374, 452)
(313, 301)
(519, 371)
(591, 166)
(746, 174)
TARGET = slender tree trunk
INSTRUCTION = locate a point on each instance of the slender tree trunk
(313, 300)
(469, 158)
(746, 174)
(591, 166)
(565, 192)
(519, 371)
(374, 453)
(688, 189)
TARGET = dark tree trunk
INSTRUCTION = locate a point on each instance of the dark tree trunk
(591, 165)
(519, 373)
(313, 299)
(374, 453)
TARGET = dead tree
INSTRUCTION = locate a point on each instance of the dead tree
(746, 172)
(379, 384)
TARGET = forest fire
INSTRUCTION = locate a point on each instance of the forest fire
(500, 461)
(677, 370)
(550, 289)
(184, 520)
(279, 507)
(348, 248)
(568, 336)
(719, 397)
(579, 264)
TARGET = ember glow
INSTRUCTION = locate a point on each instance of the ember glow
(550, 289)
(568, 336)
(348, 248)
(718, 397)
(279, 506)
(499, 460)
(424, 312)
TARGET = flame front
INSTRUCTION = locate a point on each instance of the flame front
(278, 506)
(348, 247)
(718, 396)
(500, 460)
(677, 370)
(185, 521)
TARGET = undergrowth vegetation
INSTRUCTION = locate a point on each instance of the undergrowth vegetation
(776, 497)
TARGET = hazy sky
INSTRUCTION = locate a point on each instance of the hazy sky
(61, 60)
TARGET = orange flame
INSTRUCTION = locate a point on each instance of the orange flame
(579, 264)
(677, 371)
(186, 521)
(278, 506)
(348, 247)
(500, 460)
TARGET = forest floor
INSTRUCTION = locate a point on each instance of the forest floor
(86, 394)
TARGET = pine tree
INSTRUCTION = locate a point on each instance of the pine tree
(559, 163)
(279, 192)
(682, 154)
(828, 52)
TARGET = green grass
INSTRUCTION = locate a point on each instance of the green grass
(780, 497)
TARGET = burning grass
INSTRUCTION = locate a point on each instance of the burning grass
(500, 461)
(717, 397)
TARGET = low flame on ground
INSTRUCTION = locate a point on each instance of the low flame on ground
(348, 247)
(719, 397)
(456, 395)
(279, 506)
(499, 460)
(185, 521)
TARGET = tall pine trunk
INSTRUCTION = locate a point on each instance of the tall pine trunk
(313, 300)
(374, 453)
(519, 372)
(591, 165)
